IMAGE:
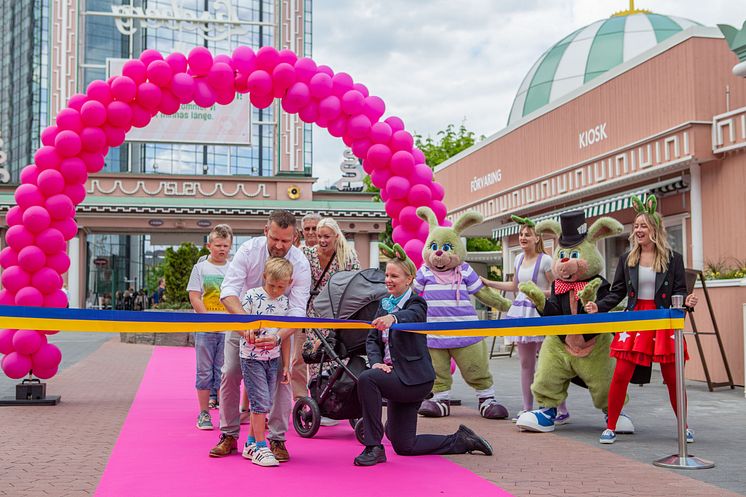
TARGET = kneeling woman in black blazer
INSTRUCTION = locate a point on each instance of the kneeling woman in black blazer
(401, 371)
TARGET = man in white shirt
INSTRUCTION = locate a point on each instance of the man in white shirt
(245, 272)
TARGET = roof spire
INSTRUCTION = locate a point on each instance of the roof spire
(632, 10)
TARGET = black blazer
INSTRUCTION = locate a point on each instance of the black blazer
(559, 305)
(409, 354)
(672, 282)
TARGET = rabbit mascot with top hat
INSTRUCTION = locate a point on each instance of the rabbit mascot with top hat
(445, 281)
(583, 359)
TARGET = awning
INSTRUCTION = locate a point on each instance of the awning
(601, 207)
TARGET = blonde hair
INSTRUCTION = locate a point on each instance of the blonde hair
(221, 231)
(278, 268)
(539, 247)
(344, 252)
(661, 247)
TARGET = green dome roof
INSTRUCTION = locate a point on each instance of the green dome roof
(588, 53)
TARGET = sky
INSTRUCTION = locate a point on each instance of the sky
(439, 62)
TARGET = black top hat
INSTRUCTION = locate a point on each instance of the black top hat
(574, 228)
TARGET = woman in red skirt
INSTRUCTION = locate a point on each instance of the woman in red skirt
(648, 275)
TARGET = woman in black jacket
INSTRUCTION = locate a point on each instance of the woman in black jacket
(648, 275)
(401, 371)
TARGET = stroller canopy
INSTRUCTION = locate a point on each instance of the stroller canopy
(348, 292)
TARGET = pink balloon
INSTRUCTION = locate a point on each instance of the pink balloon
(69, 119)
(140, 116)
(7, 297)
(93, 139)
(56, 299)
(19, 236)
(380, 133)
(45, 374)
(419, 157)
(119, 114)
(394, 207)
(396, 123)
(309, 113)
(67, 142)
(439, 208)
(59, 261)
(320, 86)
(76, 101)
(422, 174)
(409, 219)
(223, 59)
(287, 56)
(123, 89)
(244, 60)
(50, 241)
(74, 170)
(297, 96)
(359, 126)
(330, 107)
(220, 77)
(68, 227)
(182, 85)
(14, 278)
(241, 83)
(341, 83)
(361, 88)
(75, 192)
(374, 107)
(261, 100)
(60, 206)
(379, 177)
(9, 257)
(402, 140)
(30, 174)
(36, 219)
(414, 247)
(28, 342)
(360, 148)
(160, 73)
(260, 82)
(383, 193)
(305, 68)
(378, 156)
(47, 158)
(46, 280)
(200, 61)
(150, 55)
(225, 97)
(16, 365)
(420, 195)
(100, 91)
(31, 259)
(93, 113)
(352, 102)
(338, 127)
(177, 61)
(170, 104)
(29, 297)
(204, 95)
(14, 216)
(6, 341)
(397, 187)
(438, 191)
(149, 95)
(135, 70)
(283, 76)
(48, 356)
(267, 58)
(347, 139)
(114, 136)
(28, 195)
(401, 235)
(403, 163)
(423, 231)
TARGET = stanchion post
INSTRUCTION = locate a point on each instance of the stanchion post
(682, 460)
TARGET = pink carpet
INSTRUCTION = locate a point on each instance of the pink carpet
(161, 453)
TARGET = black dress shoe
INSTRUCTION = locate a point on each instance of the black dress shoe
(371, 456)
(473, 441)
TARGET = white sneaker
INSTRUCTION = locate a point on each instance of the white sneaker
(248, 451)
(328, 421)
(264, 457)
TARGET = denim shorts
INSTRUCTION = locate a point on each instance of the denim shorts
(209, 349)
(260, 380)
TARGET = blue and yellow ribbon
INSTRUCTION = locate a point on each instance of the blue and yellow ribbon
(89, 320)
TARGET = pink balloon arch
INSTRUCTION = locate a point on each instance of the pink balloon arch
(44, 218)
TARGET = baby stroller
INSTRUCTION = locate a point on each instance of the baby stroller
(353, 295)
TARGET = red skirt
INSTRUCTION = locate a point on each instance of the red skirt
(645, 347)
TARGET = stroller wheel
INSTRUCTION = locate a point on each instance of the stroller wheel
(306, 417)
(359, 431)
(353, 422)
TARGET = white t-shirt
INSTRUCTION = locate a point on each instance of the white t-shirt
(646, 282)
(206, 278)
(257, 302)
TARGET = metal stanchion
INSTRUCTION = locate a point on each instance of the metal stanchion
(682, 460)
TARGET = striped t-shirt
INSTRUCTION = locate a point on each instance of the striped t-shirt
(443, 305)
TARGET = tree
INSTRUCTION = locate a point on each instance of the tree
(448, 143)
(177, 267)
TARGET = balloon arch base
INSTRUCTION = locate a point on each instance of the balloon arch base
(31, 392)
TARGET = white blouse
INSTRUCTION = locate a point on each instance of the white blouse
(646, 283)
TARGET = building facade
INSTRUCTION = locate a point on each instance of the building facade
(157, 190)
(663, 114)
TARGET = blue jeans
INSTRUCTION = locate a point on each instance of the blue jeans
(209, 348)
(260, 380)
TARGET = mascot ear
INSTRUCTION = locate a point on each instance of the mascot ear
(471, 218)
(604, 227)
(386, 250)
(427, 214)
(549, 227)
(652, 204)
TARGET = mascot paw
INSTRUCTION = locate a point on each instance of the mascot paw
(588, 294)
(534, 294)
(540, 420)
(435, 408)
(624, 425)
(490, 409)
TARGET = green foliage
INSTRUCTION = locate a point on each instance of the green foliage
(177, 267)
(481, 244)
(152, 277)
(725, 269)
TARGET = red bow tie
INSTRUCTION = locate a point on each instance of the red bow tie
(561, 287)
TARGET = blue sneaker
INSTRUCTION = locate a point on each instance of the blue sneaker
(689, 436)
(607, 437)
(541, 420)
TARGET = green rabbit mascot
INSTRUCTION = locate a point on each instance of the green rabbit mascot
(576, 265)
(445, 281)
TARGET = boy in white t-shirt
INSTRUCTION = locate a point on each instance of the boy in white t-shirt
(260, 364)
(204, 294)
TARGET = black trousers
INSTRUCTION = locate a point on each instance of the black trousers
(403, 401)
